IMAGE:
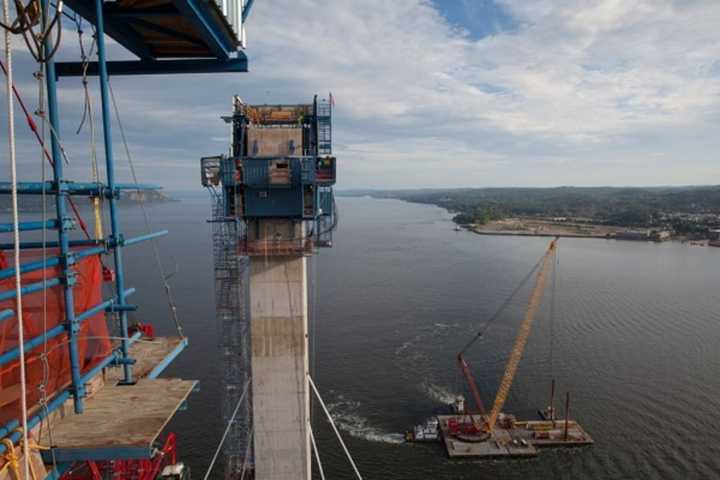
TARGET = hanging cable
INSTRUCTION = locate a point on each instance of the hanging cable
(90, 117)
(317, 454)
(28, 16)
(16, 240)
(502, 307)
(335, 429)
(227, 428)
(156, 250)
(42, 388)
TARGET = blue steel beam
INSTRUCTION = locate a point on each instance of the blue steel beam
(160, 367)
(246, 10)
(84, 243)
(31, 288)
(75, 254)
(143, 238)
(28, 226)
(158, 67)
(5, 314)
(73, 243)
(13, 354)
(48, 262)
(72, 188)
(115, 232)
(95, 454)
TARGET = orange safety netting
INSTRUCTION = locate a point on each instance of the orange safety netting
(53, 374)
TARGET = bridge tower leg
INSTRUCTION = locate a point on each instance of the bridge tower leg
(279, 339)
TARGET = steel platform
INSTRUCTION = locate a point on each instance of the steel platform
(522, 440)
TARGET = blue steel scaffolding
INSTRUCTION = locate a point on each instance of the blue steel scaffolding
(178, 36)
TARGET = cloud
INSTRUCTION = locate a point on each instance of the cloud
(577, 92)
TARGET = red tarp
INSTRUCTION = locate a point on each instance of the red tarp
(53, 374)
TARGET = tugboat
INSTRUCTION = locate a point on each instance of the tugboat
(425, 432)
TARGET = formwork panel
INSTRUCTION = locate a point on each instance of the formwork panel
(274, 141)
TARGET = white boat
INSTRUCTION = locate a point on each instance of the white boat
(425, 432)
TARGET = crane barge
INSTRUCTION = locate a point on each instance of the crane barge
(473, 432)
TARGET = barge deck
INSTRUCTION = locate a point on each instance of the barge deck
(518, 439)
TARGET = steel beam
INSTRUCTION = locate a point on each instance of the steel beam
(72, 188)
(29, 226)
(115, 233)
(13, 354)
(160, 367)
(246, 10)
(78, 387)
(49, 262)
(158, 67)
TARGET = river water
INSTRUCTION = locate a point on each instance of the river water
(634, 338)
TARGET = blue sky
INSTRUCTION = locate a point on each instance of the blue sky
(451, 93)
(479, 18)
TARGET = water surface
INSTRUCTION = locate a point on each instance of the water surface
(634, 339)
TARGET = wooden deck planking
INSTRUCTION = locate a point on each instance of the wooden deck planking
(121, 416)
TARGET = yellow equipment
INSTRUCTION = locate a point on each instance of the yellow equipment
(522, 337)
(484, 424)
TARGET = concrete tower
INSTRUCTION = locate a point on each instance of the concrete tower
(276, 190)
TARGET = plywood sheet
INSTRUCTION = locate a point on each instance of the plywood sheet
(121, 416)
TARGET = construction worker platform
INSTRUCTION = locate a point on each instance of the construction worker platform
(121, 421)
(118, 422)
(520, 439)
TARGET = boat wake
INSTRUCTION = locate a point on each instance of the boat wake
(345, 414)
(438, 393)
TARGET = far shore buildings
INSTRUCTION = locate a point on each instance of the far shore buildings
(646, 235)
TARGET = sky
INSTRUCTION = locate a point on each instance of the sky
(445, 93)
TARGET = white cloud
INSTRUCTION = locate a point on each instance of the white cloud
(580, 92)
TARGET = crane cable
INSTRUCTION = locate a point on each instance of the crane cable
(16, 240)
(502, 307)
